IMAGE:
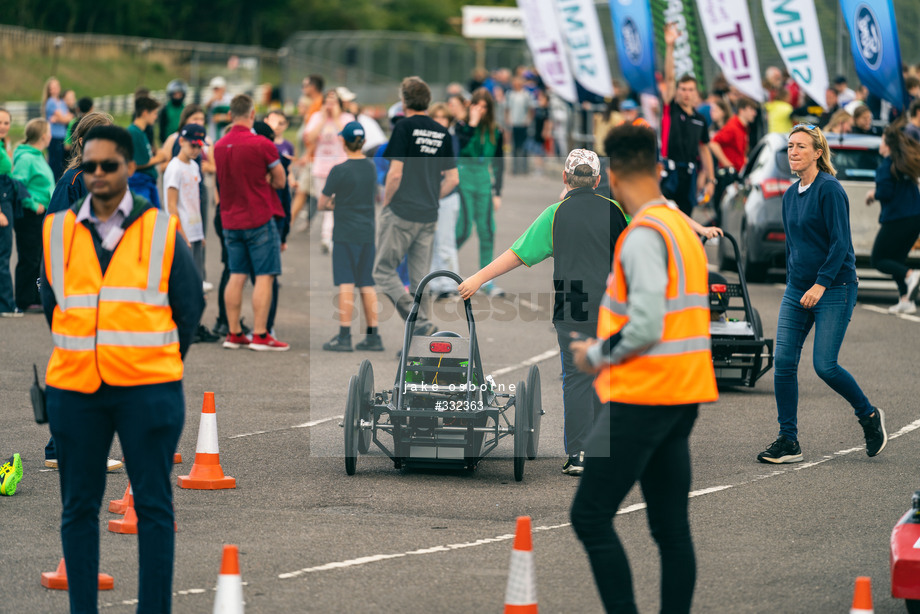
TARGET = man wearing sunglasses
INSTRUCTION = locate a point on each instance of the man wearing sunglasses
(123, 298)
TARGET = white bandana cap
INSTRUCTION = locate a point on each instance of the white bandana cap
(577, 157)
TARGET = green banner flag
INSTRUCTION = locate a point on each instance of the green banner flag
(688, 58)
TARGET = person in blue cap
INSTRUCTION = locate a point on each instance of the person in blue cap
(349, 191)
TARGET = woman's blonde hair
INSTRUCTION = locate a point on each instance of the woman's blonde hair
(36, 129)
(840, 117)
(46, 92)
(819, 142)
(86, 123)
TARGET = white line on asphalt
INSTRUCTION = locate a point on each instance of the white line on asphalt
(526, 363)
(882, 310)
(364, 560)
(305, 425)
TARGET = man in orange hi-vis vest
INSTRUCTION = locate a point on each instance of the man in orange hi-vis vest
(123, 297)
(654, 367)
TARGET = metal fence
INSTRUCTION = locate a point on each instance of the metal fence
(372, 64)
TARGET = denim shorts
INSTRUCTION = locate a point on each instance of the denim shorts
(255, 251)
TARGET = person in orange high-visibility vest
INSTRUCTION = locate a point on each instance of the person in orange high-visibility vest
(123, 297)
(654, 367)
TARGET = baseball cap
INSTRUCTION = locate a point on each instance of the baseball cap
(629, 105)
(577, 157)
(840, 79)
(194, 133)
(218, 81)
(352, 132)
(345, 94)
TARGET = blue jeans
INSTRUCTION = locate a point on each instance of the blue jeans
(830, 317)
(148, 420)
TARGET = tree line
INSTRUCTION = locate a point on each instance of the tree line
(266, 22)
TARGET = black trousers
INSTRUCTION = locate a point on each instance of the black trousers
(29, 258)
(648, 444)
(892, 244)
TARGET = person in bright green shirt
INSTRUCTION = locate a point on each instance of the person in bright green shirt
(31, 168)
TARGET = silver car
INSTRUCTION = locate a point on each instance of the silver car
(752, 206)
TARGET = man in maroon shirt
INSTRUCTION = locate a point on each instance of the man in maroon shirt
(730, 144)
(249, 171)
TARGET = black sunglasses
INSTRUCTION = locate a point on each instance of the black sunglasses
(108, 166)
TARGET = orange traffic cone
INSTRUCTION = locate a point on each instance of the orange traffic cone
(521, 594)
(862, 596)
(57, 579)
(229, 599)
(177, 458)
(206, 473)
(128, 524)
(118, 506)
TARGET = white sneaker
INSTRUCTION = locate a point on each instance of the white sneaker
(903, 307)
(206, 286)
(913, 283)
(113, 465)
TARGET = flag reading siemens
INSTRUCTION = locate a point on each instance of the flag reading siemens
(632, 31)
(727, 25)
(585, 45)
(794, 27)
(875, 47)
(544, 40)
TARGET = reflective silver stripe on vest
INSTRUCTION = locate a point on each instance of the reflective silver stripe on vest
(678, 256)
(157, 252)
(77, 344)
(134, 295)
(131, 339)
(57, 258)
(615, 307)
(80, 300)
(679, 346)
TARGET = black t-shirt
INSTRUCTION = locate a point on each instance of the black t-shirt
(425, 149)
(683, 133)
(353, 182)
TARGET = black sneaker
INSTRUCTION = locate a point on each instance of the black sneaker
(874, 429)
(338, 344)
(782, 450)
(371, 343)
(203, 335)
(575, 465)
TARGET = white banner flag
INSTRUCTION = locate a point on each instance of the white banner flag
(547, 47)
(727, 24)
(794, 26)
(584, 42)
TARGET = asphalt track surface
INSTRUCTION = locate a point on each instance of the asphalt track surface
(768, 539)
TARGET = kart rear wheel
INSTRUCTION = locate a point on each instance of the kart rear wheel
(351, 427)
(521, 430)
(365, 404)
(535, 413)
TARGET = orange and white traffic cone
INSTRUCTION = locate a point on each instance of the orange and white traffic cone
(128, 524)
(229, 599)
(862, 596)
(118, 506)
(206, 473)
(57, 579)
(521, 594)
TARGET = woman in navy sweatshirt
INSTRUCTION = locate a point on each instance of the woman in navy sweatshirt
(896, 189)
(820, 291)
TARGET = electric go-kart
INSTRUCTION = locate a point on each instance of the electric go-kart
(740, 353)
(442, 412)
